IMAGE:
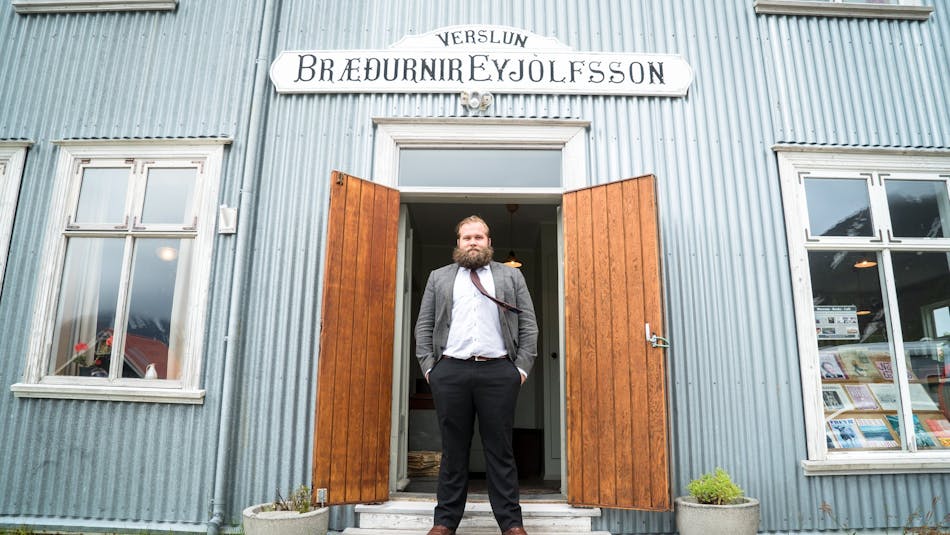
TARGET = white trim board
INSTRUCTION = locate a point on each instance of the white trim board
(905, 11)
(12, 161)
(26, 7)
(394, 133)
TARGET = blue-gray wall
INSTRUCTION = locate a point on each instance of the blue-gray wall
(734, 373)
(116, 75)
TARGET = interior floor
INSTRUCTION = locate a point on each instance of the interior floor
(478, 487)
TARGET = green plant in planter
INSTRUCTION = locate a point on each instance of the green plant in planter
(295, 515)
(715, 488)
(299, 500)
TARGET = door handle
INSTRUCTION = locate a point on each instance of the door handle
(655, 340)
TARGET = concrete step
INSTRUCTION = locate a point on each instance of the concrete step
(415, 516)
(461, 531)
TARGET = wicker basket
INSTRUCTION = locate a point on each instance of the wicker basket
(424, 463)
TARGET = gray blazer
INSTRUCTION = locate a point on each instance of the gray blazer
(520, 331)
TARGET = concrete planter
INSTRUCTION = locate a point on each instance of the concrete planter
(694, 518)
(257, 522)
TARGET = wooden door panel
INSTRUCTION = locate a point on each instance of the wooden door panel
(616, 382)
(354, 381)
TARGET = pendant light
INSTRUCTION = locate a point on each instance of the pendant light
(860, 265)
(512, 260)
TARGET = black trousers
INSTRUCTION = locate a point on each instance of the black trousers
(462, 390)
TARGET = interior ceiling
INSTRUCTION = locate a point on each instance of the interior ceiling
(434, 224)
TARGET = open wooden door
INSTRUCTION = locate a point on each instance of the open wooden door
(354, 381)
(617, 427)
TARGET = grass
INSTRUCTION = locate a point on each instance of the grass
(929, 523)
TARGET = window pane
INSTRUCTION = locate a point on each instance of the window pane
(838, 207)
(919, 208)
(857, 388)
(102, 195)
(941, 322)
(169, 197)
(923, 283)
(87, 304)
(480, 167)
(157, 308)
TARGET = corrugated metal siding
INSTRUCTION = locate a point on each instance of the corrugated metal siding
(733, 366)
(847, 81)
(115, 75)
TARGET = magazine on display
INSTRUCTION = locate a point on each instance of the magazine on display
(876, 433)
(924, 439)
(940, 428)
(862, 398)
(884, 366)
(830, 367)
(886, 395)
(846, 432)
(835, 399)
(858, 367)
(830, 441)
(920, 400)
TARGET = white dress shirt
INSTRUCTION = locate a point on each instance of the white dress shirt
(475, 327)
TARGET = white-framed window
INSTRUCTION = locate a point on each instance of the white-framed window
(565, 138)
(869, 9)
(12, 157)
(73, 6)
(122, 293)
(869, 250)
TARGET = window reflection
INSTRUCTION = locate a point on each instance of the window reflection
(918, 208)
(87, 306)
(156, 319)
(479, 168)
(102, 195)
(169, 196)
(922, 280)
(849, 278)
(838, 207)
(859, 395)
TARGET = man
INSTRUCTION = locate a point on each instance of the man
(476, 351)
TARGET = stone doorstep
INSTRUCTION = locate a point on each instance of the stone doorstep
(481, 523)
(417, 515)
(461, 531)
(478, 508)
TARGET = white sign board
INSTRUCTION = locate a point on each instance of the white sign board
(836, 322)
(496, 59)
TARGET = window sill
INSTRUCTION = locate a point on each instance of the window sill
(877, 466)
(842, 9)
(108, 393)
(74, 6)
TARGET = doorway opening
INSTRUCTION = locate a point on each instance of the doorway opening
(531, 232)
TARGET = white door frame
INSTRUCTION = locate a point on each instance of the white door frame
(393, 134)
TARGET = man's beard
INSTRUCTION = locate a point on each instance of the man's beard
(473, 258)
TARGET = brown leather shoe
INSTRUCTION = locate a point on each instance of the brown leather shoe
(442, 530)
(518, 530)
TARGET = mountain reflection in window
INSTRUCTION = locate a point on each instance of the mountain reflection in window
(919, 208)
(838, 207)
(155, 324)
